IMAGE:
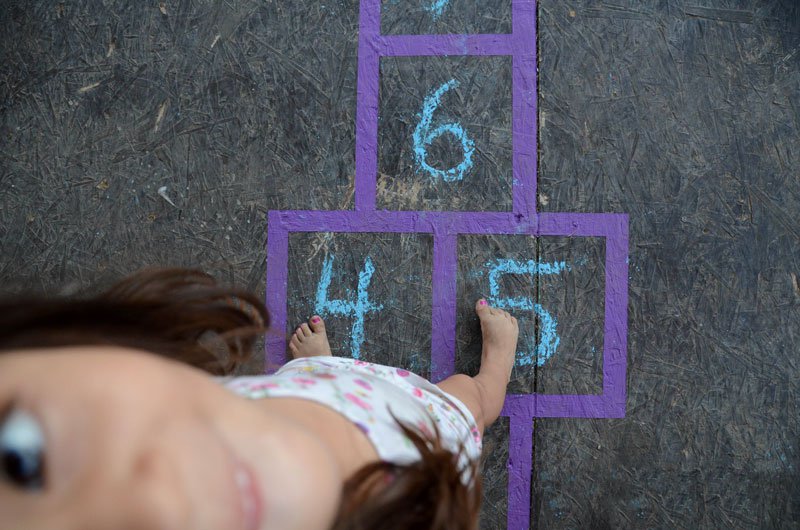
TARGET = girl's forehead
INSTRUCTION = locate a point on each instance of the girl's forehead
(79, 357)
(92, 369)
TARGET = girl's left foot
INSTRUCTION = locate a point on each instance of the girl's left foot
(310, 339)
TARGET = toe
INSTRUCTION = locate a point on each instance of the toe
(482, 307)
(293, 349)
(294, 341)
(317, 324)
(298, 334)
(306, 330)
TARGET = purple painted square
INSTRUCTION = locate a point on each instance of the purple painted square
(400, 287)
(445, 226)
(555, 287)
(476, 105)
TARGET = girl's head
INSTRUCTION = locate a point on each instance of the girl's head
(100, 427)
(98, 432)
(105, 437)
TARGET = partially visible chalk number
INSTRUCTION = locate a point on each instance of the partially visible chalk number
(425, 134)
(437, 8)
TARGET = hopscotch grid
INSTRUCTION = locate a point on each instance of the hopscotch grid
(445, 227)
(521, 409)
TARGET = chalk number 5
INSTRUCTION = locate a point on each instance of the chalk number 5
(424, 135)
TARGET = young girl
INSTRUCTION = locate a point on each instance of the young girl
(101, 428)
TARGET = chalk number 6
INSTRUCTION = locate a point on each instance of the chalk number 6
(424, 135)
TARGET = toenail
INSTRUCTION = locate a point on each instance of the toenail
(315, 320)
(482, 302)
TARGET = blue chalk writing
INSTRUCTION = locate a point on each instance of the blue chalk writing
(549, 340)
(352, 308)
(548, 343)
(502, 267)
(437, 8)
(424, 136)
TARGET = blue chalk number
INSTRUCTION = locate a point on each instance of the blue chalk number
(548, 344)
(356, 308)
(424, 135)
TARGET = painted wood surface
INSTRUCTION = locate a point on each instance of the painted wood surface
(165, 134)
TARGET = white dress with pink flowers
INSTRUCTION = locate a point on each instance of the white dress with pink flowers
(365, 393)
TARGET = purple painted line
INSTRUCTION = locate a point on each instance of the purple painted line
(520, 467)
(389, 221)
(561, 406)
(524, 119)
(277, 280)
(580, 224)
(615, 339)
(438, 45)
(367, 105)
(443, 317)
(545, 224)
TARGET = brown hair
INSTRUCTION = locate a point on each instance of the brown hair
(185, 315)
(424, 494)
(176, 313)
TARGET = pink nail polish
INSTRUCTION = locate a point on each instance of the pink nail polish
(315, 320)
(482, 302)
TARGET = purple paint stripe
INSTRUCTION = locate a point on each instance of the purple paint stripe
(561, 406)
(615, 340)
(277, 280)
(443, 317)
(404, 221)
(545, 224)
(367, 105)
(579, 224)
(437, 45)
(524, 120)
(520, 468)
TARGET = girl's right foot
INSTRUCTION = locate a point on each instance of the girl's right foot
(500, 331)
(485, 393)
(310, 339)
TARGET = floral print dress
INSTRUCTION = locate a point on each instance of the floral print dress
(365, 393)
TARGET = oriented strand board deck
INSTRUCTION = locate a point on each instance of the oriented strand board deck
(212, 135)
(685, 115)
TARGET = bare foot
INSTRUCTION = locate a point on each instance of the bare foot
(310, 339)
(485, 393)
(500, 331)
